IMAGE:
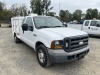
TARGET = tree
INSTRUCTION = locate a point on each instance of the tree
(99, 15)
(15, 9)
(51, 14)
(46, 6)
(19, 9)
(70, 17)
(91, 13)
(40, 7)
(65, 16)
(94, 13)
(62, 15)
(2, 5)
(23, 10)
(77, 15)
(36, 6)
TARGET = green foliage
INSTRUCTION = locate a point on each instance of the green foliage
(51, 14)
(77, 15)
(46, 6)
(6, 15)
(92, 13)
(65, 15)
(15, 10)
(2, 5)
(19, 9)
(41, 7)
(36, 6)
(99, 15)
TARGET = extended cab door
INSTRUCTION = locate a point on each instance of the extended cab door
(94, 27)
(86, 26)
(28, 35)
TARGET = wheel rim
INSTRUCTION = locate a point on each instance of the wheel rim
(41, 56)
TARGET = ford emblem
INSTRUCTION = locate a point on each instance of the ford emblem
(81, 43)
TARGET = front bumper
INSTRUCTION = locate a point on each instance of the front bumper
(60, 56)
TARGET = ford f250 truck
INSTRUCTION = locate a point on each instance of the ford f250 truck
(52, 42)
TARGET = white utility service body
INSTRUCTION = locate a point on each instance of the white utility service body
(92, 27)
(52, 43)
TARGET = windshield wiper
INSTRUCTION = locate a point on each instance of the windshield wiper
(57, 26)
(43, 27)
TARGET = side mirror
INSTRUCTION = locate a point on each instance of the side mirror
(98, 25)
(25, 27)
(65, 25)
(30, 28)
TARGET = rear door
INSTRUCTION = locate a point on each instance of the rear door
(86, 26)
(94, 29)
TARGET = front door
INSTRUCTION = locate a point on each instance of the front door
(28, 35)
(86, 26)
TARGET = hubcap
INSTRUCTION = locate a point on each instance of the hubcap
(41, 56)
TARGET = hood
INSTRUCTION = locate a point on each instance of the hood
(61, 33)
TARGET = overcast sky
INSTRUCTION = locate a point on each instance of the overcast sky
(70, 5)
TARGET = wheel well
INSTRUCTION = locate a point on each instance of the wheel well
(14, 34)
(37, 44)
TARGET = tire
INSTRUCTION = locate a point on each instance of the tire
(17, 40)
(43, 56)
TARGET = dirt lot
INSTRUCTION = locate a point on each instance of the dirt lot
(20, 59)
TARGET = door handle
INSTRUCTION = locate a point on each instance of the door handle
(34, 34)
(89, 28)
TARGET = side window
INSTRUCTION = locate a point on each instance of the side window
(30, 24)
(93, 23)
(86, 23)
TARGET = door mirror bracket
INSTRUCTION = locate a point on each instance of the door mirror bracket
(24, 27)
(98, 25)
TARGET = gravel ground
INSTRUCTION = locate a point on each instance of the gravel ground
(20, 59)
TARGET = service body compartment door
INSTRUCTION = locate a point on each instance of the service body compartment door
(17, 26)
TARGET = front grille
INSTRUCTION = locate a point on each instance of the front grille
(75, 43)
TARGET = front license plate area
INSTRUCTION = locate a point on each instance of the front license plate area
(80, 56)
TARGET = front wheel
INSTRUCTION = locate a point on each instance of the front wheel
(42, 56)
(16, 39)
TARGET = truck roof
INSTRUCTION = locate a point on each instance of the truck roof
(92, 20)
(39, 16)
(20, 17)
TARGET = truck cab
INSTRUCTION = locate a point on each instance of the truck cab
(92, 27)
(52, 42)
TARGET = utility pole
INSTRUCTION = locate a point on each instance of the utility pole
(59, 7)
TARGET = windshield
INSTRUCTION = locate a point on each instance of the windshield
(47, 22)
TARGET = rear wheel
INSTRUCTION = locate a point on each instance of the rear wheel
(17, 40)
(42, 56)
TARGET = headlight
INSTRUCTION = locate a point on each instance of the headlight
(57, 44)
(66, 44)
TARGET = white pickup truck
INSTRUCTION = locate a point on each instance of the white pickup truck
(92, 27)
(52, 42)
